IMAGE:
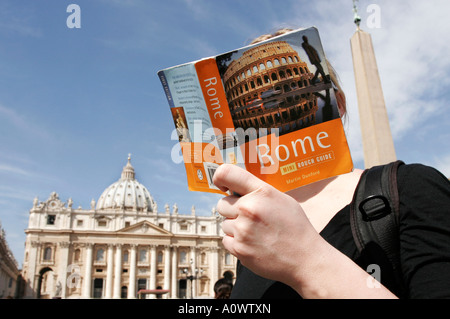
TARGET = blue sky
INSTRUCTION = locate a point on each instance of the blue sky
(75, 102)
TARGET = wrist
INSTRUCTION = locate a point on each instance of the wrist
(311, 274)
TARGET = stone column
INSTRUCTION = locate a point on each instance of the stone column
(174, 290)
(87, 280)
(117, 271)
(152, 269)
(166, 268)
(214, 267)
(109, 271)
(63, 266)
(193, 268)
(32, 265)
(132, 270)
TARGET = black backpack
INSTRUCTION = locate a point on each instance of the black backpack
(374, 218)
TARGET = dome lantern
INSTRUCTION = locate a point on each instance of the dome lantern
(128, 170)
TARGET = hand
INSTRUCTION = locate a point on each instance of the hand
(271, 235)
(264, 228)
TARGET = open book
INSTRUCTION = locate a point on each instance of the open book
(268, 107)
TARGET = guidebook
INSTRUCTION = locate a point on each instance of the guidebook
(269, 107)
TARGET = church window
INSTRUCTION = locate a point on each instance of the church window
(160, 257)
(100, 255)
(142, 255)
(123, 292)
(102, 223)
(47, 254)
(183, 257)
(51, 219)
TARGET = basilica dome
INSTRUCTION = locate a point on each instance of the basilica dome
(127, 193)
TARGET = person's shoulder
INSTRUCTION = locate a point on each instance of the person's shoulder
(417, 172)
(421, 186)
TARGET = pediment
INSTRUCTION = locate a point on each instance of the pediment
(145, 228)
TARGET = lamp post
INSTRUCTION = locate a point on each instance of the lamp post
(191, 275)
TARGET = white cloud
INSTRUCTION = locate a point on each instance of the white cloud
(22, 123)
(413, 60)
(13, 169)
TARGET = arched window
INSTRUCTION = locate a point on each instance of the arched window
(203, 258)
(123, 292)
(277, 62)
(283, 60)
(269, 64)
(262, 66)
(255, 69)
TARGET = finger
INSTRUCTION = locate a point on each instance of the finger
(228, 227)
(236, 179)
(228, 244)
(225, 206)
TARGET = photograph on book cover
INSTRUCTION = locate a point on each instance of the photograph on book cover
(283, 105)
(281, 84)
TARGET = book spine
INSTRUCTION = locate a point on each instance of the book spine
(163, 79)
(214, 95)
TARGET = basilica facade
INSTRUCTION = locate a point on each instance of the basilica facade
(122, 247)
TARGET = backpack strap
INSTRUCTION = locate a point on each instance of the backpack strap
(374, 213)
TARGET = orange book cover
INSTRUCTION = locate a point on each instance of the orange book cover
(269, 107)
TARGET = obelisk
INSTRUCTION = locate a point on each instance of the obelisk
(377, 140)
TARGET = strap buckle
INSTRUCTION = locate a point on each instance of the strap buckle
(377, 208)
